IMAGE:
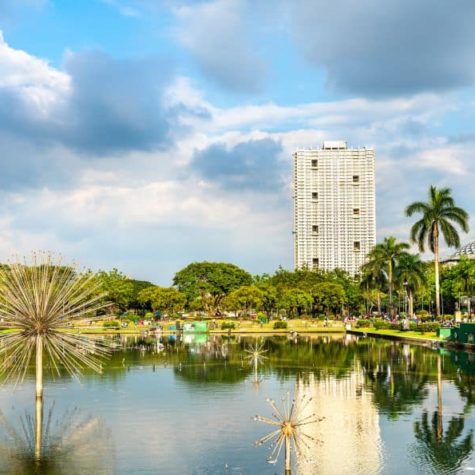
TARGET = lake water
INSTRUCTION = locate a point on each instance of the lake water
(186, 406)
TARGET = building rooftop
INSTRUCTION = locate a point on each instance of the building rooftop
(467, 250)
(334, 145)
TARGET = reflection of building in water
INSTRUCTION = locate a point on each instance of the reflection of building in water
(348, 437)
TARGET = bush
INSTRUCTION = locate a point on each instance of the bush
(382, 324)
(363, 323)
(228, 326)
(280, 325)
(423, 315)
(428, 327)
(111, 324)
(446, 317)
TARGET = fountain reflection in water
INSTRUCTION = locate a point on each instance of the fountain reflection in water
(73, 443)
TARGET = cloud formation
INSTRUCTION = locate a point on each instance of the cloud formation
(218, 36)
(395, 47)
(253, 165)
(98, 105)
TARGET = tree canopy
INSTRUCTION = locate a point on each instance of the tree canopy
(206, 284)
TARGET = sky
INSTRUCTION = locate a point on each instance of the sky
(147, 134)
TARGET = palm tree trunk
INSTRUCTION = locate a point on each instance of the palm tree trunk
(410, 298)
(379, 303)
(436, 265)
(390, 283)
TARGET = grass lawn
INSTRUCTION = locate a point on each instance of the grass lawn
(430, 336)
(244, 326)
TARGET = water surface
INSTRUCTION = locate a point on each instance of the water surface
(172, 406)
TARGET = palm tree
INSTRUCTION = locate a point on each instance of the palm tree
(373, 278)
(410, 274)
(386, 256)
(438, 214)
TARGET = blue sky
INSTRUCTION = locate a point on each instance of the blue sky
(145, 134)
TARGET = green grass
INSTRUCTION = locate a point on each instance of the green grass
(430, 336)
(245, 326)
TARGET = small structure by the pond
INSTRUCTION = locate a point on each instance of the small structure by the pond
(195, 327)
(463, 334)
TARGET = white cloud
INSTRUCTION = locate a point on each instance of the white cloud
(39, 84)
(216, 35)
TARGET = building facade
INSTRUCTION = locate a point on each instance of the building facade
(334, 206)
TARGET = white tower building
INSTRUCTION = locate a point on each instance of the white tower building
(334, 206)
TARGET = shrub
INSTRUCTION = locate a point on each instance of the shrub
(228, 326)
(381, 324)
(423, 315)
(111, 324)
(428, 327)
(363, 323)
(446, 317)
(279, 325)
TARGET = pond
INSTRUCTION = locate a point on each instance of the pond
(185, 406)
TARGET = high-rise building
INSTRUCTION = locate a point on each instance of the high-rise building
(334, 206)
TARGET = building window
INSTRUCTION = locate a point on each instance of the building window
(314, 228)
(314, 163)
(356, 211)
(356, 179)
(315, 261)
(314, 195)
(356, 246)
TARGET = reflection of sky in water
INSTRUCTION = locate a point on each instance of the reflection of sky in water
(162, 422)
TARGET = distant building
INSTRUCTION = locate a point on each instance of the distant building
(334, 206)
(468, 251)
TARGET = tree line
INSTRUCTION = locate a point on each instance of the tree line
(393, 280)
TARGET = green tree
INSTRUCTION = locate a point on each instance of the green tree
(295, 302)
(268, 296)
(165, 299)
(302, 278)
(464, 276)
(386, 255)
(373, 280)
(210, 282)
(410, 275)
(328, 297)
(138, 286)
(439, 214)
(245, 299)
(118, 287)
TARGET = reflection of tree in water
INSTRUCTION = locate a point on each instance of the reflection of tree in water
(396, 378)
(394, 392)
(445, 451)
(209, 372)
(71, 444)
